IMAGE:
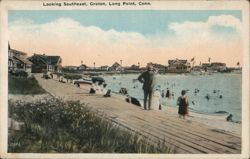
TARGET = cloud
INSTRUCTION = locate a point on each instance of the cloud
(71, 35)
(204, 38)
(75, 42)
(204, 30)
(225, 20)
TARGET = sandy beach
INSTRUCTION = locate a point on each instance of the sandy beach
(199, 133)
(218, 122)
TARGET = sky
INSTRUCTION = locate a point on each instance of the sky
(107, 36)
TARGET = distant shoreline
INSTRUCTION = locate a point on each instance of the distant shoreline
(138, 72)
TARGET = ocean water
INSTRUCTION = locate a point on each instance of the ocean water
(224, 91)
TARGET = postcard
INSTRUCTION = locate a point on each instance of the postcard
(124, 79)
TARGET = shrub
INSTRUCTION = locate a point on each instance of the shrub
(53, 125)
(24, 85)
(19, 73)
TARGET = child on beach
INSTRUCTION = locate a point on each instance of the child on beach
(156, 100)
(183, 104)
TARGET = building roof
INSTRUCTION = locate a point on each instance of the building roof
(205, 64)
(156, 65)
(18, 53)
(83, 66)
(50, 60)
(177, 61)
(23, 59)
(116, 64)
(218, 64)
(105, 66)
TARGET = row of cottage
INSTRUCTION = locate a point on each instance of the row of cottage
(39, 63)
(174, 66)
(18, 60)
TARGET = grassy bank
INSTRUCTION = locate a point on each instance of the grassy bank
(53, 125)
(24, 85)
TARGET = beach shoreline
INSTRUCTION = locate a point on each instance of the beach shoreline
(218, 122)
(196, 134)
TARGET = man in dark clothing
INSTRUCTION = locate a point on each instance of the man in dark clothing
(148, 80)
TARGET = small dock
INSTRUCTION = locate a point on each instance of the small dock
(183, 136)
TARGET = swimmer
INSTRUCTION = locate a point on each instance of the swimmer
(207, 97)
(193, 103)
(162, 93)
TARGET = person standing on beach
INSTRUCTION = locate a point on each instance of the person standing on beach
(183, 104)
(148, 80)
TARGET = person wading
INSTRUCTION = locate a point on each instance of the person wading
(148, 80)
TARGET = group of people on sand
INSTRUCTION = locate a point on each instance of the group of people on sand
(148, 80)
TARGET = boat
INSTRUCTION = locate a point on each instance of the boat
(88, 83)
(83, 81)
(97, 79)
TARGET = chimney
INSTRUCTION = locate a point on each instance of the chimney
(9, 45)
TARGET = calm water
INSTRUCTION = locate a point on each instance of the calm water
(228, 86)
